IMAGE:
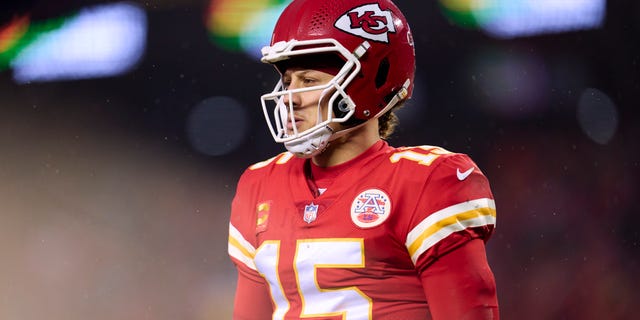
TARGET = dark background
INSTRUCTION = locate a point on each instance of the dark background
(108, 211)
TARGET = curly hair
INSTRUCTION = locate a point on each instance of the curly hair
(388, 122)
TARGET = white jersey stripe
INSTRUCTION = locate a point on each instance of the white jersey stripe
(241, 249)
(439, 225)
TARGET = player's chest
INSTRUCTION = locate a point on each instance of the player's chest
(358, 211)
(362, 216)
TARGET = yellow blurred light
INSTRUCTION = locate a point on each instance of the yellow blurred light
(466, 5)
(229, 18)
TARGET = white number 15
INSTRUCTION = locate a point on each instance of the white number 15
(313, 254)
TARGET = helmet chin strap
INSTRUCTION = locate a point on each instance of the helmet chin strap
(310, 144)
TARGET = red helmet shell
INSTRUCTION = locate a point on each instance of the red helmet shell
(385, 67)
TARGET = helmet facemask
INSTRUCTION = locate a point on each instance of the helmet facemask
(339, 107)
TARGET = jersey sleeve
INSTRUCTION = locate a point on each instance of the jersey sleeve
(455, 206)
(456, 215)
(252, 299)
(460, 285)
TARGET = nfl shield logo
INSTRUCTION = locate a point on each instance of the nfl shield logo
(310, 213)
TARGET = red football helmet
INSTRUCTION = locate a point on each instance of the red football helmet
(375, 46)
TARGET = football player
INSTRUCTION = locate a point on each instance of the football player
(343, 225)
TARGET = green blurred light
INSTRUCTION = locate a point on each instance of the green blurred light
(16, 42)
(469, 14)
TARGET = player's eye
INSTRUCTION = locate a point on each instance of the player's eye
(309, 81)
(286, 83)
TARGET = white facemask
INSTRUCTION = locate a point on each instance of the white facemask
(278, 114)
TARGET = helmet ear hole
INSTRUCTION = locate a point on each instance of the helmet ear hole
(340, 108)
(383, 72)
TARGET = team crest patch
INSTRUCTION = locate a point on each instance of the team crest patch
(368, 21)
(370, 208)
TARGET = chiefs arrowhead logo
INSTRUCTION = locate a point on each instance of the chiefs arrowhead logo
(368, 21)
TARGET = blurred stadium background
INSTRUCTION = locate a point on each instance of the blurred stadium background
(124, 126)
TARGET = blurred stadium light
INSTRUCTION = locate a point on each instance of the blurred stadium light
(98, 41)
(243, 26)
(9, 39)
(518, 18)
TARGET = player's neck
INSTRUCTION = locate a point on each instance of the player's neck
(348, 146)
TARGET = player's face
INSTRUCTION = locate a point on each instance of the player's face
(305, 104)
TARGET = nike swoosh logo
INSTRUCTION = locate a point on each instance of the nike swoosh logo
(463, 175)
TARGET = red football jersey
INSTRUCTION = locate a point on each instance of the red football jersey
(358, 250)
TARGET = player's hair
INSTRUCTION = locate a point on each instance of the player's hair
(388, 122)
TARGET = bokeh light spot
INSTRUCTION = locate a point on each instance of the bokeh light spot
(597, 115)
(217, 125)
(513, 85)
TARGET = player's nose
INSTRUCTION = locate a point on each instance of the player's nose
(291, 98)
